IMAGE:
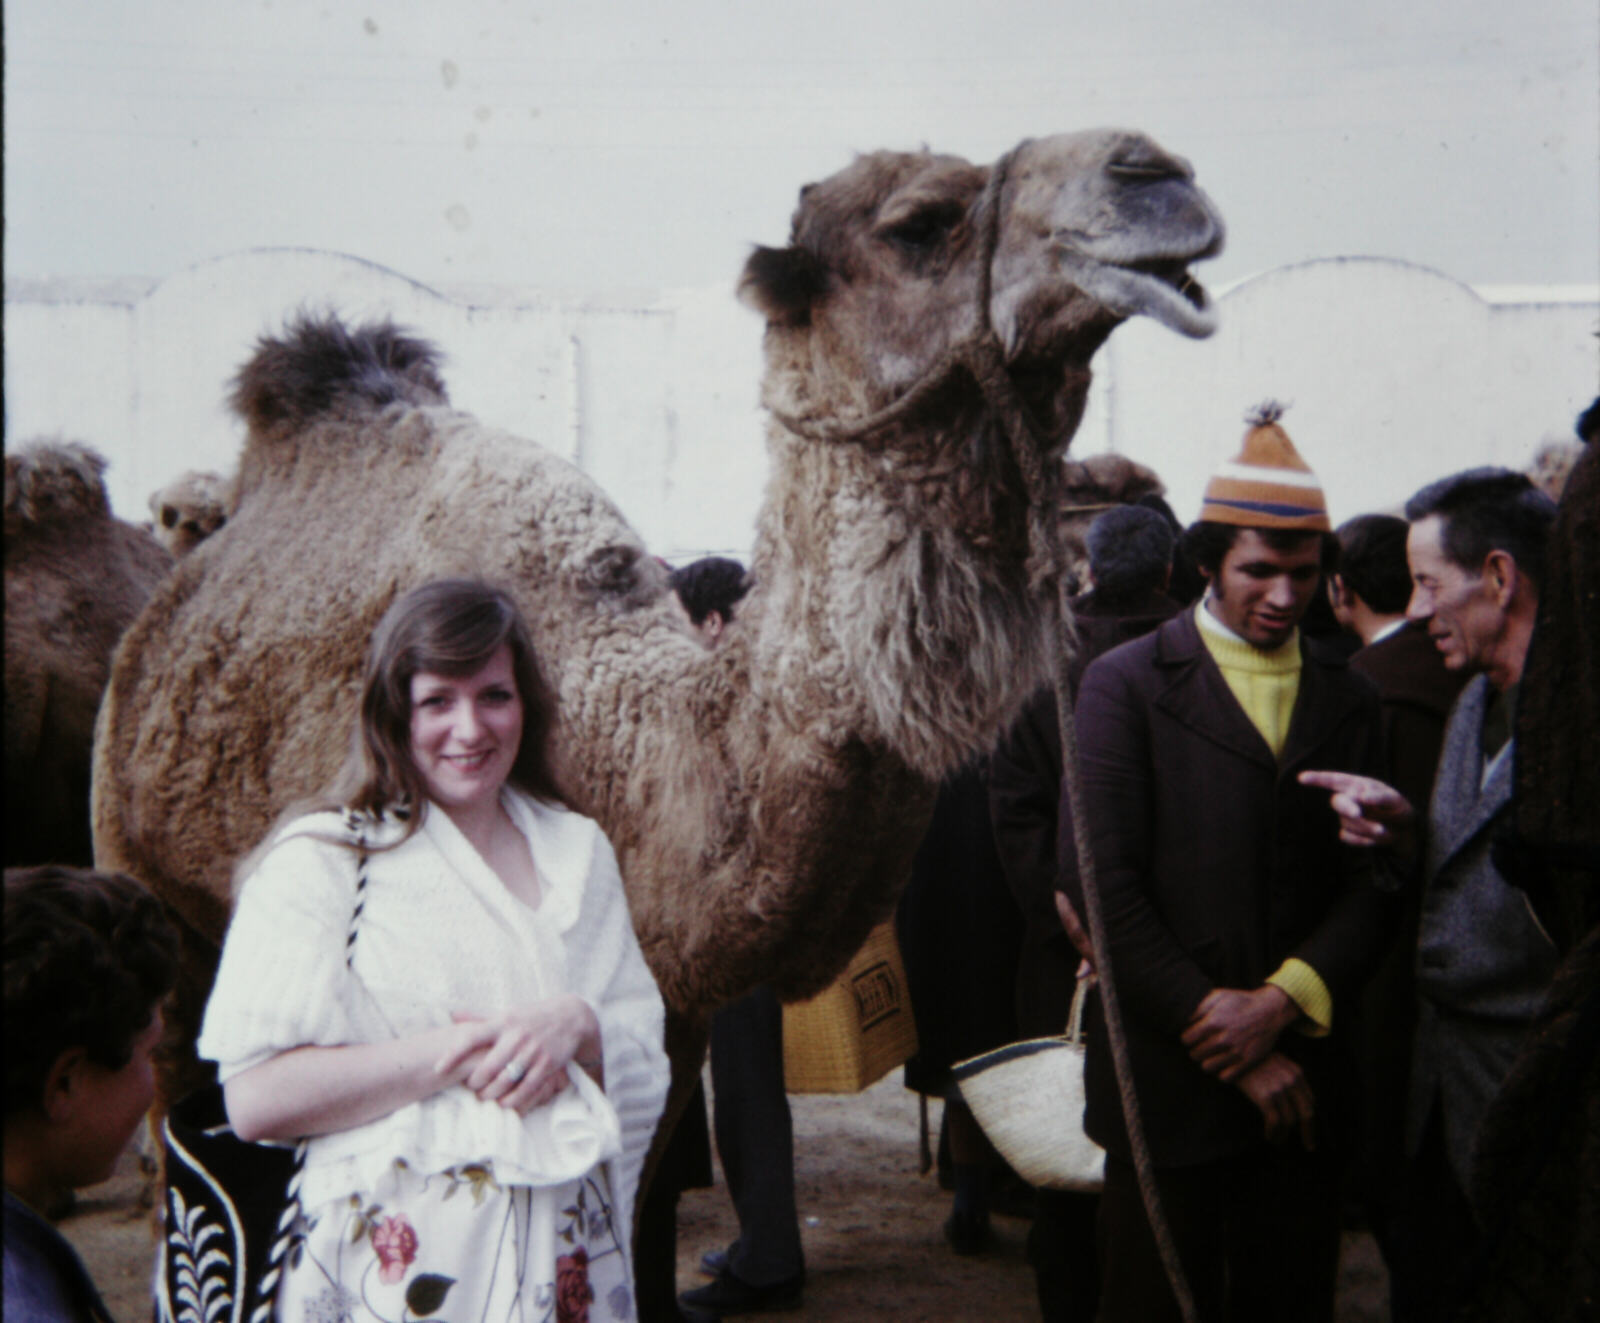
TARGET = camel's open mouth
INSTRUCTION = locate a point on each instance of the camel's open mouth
(1174, 271)
(1159, 287)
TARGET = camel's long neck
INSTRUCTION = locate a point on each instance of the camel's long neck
(891, 601)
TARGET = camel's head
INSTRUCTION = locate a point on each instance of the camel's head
(884, 267)
(189, 510)
(53, 481)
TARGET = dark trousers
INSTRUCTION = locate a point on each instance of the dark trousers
(755, 1137)
(1433, 1236)
(1061, 1249)
(1258, 1237)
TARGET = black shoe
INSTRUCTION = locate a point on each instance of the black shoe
(968, 1235)
(713, 1263)
(728, 1294)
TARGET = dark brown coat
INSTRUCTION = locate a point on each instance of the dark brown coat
(1215, 866)
(1024, 798)
(1538, 1159)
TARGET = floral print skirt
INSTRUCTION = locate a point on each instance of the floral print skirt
(458, 1247)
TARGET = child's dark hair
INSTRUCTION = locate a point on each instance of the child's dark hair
(89, 958)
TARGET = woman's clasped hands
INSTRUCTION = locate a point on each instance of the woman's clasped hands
(519, 1060)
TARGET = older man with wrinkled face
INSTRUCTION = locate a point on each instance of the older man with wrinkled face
(1476, 551)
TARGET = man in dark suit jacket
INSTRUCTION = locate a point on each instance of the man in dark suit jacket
(1238, 926)
(1484, 962)
(1369, 595)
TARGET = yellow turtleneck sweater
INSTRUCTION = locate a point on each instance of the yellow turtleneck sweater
(1266, 685)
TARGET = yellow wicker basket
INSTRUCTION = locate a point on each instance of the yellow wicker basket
(856, 1030)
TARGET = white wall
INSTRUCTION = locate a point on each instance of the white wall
(656, 398)
(1396, 374)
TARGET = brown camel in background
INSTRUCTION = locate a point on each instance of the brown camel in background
(75, 578)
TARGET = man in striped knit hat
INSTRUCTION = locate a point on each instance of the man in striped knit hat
(1240, 929)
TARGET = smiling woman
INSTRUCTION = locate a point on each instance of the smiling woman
(465, 733)
(456, 997)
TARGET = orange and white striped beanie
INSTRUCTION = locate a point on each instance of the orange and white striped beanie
(1267, 485)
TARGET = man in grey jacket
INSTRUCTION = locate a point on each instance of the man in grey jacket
(1476, 550)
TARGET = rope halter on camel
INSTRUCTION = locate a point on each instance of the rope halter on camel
(981, 357)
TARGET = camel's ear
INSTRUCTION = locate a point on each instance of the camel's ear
(783, 284)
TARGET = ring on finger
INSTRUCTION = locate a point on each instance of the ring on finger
(515, 1070)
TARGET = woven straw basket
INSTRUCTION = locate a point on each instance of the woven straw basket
(857, 1029)
(1028, 1097)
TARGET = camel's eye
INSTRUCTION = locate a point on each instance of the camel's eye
(924, 229)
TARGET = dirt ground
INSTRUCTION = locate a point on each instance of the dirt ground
(872, 1229)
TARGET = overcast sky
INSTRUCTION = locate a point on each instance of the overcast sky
(608, 147)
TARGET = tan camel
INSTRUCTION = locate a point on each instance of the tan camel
(764, 799)
(75, 577)
(188, 510)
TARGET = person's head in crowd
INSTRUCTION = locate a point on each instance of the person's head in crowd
(1130, 553)
(1185, 585)
(89, 958)
(1476, 550)
(709, 589)
(1373, 583)
(1263, 540)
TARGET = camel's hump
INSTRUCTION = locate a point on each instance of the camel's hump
(318, 364)
(50, 480)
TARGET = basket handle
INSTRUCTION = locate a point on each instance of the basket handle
(1080, 998)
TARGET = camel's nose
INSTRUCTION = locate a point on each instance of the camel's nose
(1140, 158)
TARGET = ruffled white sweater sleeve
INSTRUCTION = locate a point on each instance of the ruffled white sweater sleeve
(282, 981)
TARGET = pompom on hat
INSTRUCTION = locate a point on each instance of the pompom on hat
(1267, 484)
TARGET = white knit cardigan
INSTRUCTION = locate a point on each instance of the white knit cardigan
(439, 933)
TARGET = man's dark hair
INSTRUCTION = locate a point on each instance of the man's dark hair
(1130, 552)
(1372, 561)
(712, 583)
(89, 957)
(1207, 543)
(1488, 509)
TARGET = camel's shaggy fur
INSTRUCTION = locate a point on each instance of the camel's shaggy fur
(765, 798)
(188, 510)
(75, 577)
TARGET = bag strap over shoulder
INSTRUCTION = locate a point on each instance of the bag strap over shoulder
(354, 825)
